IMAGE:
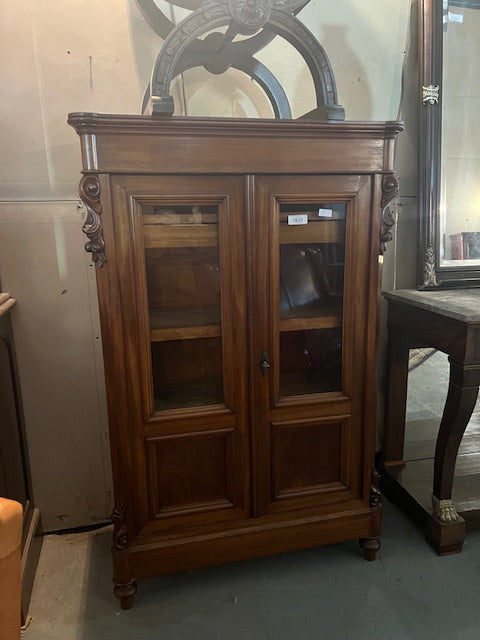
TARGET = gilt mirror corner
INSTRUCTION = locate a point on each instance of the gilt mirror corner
(449, 143)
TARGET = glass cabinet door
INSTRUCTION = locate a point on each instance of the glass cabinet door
(311, 283)
(311, 291)
(180, 249)
(184, 302)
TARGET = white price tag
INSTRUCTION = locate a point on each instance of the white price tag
(325, 213)
(455, 17)
(298, 218)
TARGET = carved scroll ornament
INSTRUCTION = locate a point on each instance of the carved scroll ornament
(90, 196)
(119, 520)
(375, 493)
(389, 191)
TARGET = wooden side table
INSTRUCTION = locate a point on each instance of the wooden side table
(450, 322)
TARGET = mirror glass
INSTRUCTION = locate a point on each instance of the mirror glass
(449, 144)
(460, 145)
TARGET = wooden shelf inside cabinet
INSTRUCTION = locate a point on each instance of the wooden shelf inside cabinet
(321, 231)
(318, 315)
(191, 393)
(162, 236)
(295, 384)
(184, 324)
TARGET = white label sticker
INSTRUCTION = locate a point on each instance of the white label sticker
(325, 213)
(299, 218)
(455, 17)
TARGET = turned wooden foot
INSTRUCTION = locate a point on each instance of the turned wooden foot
(125, 593)
(370, 546)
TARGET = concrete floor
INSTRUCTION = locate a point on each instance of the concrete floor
(427, 388)
(329, 593)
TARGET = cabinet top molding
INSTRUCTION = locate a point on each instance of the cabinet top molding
(158, 145)
(85, 122)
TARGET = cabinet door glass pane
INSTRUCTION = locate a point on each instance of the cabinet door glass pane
(311, 267)
(184, 302)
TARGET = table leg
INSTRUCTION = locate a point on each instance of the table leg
(396, 399)
(461, 399)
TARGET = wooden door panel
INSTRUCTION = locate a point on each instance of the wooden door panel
(312, 324)
(189, 474)
(184, 306)
(306, 457)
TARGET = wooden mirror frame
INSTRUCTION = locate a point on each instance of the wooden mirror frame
(431, 274)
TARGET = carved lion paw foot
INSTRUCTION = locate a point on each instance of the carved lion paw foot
(444, 510)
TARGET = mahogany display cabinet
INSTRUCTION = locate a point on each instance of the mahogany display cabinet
(238, 281)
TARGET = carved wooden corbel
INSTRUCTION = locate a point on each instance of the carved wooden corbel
(119, 520)
(90, 196)
(389, 191)
(375, 493)
(124, 586)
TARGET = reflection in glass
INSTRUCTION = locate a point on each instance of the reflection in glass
(311, 259)
(183, 287)
(460, 157)
(184, 302)
(310, 361)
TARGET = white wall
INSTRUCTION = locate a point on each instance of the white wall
(86, 55)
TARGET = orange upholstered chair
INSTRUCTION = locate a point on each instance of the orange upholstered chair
(10, 568)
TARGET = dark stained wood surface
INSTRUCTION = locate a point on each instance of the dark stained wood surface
(234, 466)
(183, 145)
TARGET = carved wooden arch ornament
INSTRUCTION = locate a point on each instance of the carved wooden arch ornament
(200, 56)
(162, 26)
(244, 17)
(238, 55)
